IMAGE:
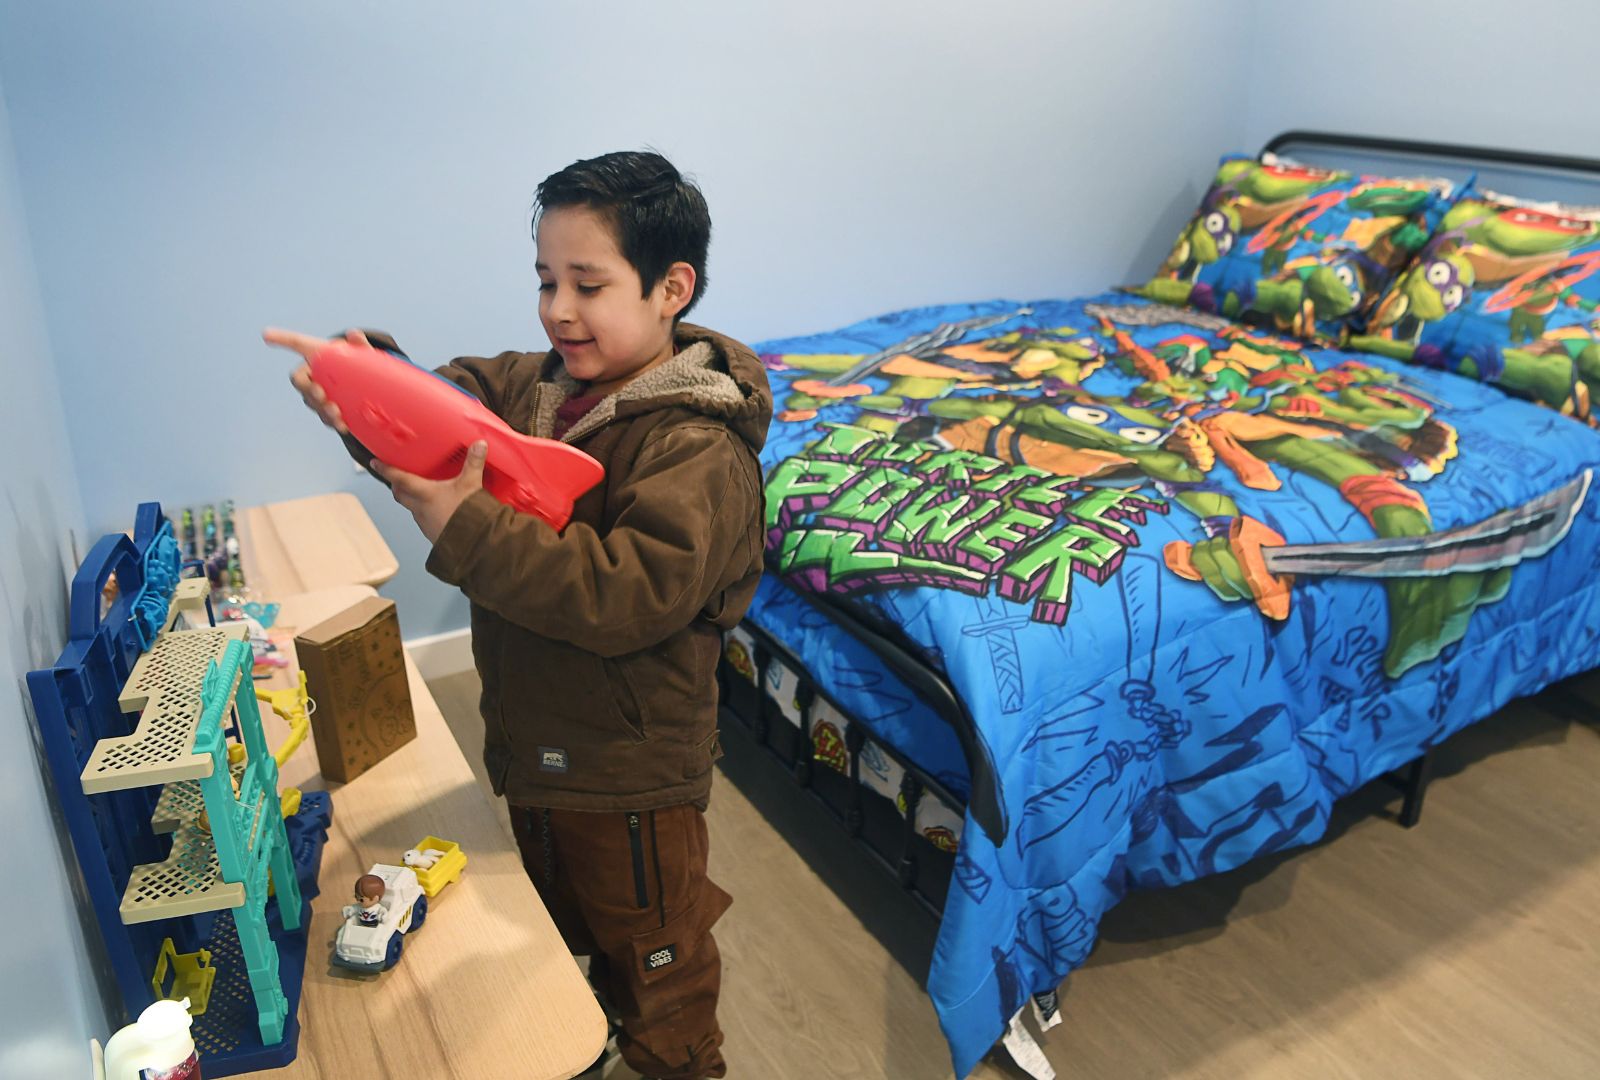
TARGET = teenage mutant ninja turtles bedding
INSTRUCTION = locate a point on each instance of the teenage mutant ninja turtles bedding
(1507, 291)
(1193, 581)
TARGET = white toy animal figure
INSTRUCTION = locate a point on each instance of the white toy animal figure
(422, 859)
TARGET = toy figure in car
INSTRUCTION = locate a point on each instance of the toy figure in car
(368, 908)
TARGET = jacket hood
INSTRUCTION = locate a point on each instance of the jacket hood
(711, 374)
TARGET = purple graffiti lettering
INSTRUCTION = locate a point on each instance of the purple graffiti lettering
(1043, 572)
(1009, 479)
(1105, 510)
(988, 547)
(955, 468)
(832, 560)
(868, 504)
(1049, 497)
(886, 452)
(936, 521)
(799, 485)
(843, 442)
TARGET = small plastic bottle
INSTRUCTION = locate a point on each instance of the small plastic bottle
(157, 1046)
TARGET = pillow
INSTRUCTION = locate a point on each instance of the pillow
(1506, 291)
(1303, 250)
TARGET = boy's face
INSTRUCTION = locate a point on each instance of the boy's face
(590, 302)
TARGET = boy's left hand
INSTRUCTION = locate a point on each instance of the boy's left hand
(432, 502)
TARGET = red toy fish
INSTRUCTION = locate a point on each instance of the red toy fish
(412, 419)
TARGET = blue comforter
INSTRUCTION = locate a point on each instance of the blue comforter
(1193, 583)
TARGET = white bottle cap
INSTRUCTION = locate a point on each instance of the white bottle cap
(164, 1028)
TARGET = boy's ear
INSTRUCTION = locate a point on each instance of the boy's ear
(677, 289)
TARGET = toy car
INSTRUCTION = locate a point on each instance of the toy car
(376, 947)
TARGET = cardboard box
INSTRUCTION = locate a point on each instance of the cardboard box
(356, 674)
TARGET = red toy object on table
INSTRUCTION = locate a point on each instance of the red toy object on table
(415, 420)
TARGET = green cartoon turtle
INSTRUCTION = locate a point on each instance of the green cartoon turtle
(1520, 245)
(1203, 241)
(1306, 290)
(1439, 284)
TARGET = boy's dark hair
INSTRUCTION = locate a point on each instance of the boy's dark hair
(658, 217)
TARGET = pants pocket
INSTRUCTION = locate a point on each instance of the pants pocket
(662, 952)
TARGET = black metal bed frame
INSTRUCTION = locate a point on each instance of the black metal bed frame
(1417, 148)
(878, 826)
(884, 831)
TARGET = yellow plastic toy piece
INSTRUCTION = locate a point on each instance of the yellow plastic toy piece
(441, 869)
(296, 707)
(192, 976)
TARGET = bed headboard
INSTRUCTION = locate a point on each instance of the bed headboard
(1526, 173)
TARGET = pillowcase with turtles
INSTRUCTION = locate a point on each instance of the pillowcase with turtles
(1490, 286)
(1303, 250)
(1506, 291)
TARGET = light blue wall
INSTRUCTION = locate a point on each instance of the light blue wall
(1519, 75)
(49, 997)
(194, 171)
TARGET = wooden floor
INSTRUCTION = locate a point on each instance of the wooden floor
(1466, 947)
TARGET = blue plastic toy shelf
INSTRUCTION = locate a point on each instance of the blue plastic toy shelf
(151, 730)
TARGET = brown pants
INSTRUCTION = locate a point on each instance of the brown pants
(630, 891)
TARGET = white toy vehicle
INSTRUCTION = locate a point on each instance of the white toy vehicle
(376, 947)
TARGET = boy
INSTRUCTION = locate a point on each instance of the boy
(598, 645)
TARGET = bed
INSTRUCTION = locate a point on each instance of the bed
(1072, 597)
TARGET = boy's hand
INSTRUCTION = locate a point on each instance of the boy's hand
(310, 392)
(432, 502)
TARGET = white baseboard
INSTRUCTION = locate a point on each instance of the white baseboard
(438, 655)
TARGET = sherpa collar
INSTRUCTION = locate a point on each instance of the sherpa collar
(688, 378)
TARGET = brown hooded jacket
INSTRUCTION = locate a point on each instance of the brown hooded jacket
(598, 645)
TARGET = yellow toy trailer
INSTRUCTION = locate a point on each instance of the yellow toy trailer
(437, 863)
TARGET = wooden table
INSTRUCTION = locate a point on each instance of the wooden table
(486, 989)
(318, 542)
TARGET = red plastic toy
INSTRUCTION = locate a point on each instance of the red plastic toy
(414, 420)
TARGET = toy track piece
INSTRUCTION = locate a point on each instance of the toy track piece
(165, 685)
(188, 882)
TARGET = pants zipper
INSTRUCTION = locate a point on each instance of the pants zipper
(636, 843)
(655, 853)
(549, 856)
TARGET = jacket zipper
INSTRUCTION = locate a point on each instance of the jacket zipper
(636, 842)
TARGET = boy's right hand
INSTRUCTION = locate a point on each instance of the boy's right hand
(312, 394)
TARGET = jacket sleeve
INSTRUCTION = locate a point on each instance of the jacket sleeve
(480, 377)
(681, 535)
(474, 374)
